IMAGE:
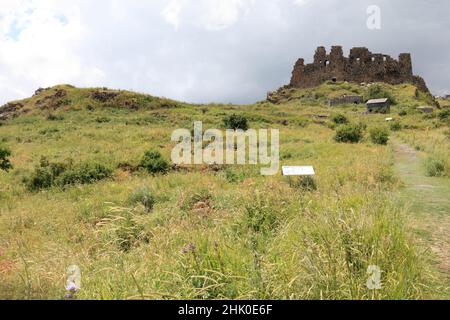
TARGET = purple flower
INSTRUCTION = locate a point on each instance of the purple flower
(72, 287)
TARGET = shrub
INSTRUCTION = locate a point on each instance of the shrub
(85, 173)
(350, 133)
(47, 174)
(403, 113)
(396, 126)
(339, 119)
(236, 122)
(154, 163)
(378, 92)
(5, 164)
(379, 136)
(444, 114)
(434, 167)
(143, 196)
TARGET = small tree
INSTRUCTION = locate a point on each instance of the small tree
(5, 164)
(154, 163)
(236, 122)
(379, 136)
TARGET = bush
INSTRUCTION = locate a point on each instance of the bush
(350, 133)
(339, 119)
(47, 174)
(154, 163)
(378, 92)
(236, 122)
(5, 164)
(396, 126)
(379, 136)
(85, 173)
(434, 167)
(444, 114)
(403, 113)
(143, 196)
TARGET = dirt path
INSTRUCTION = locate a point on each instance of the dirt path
(428, 203)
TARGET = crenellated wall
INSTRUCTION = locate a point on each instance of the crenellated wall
(360, 66)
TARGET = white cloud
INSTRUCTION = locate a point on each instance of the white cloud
(300, 2)
(221, 14)
(172, 12)
(38, 42)
(212, 15)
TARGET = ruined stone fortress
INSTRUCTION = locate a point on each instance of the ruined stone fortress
(362, 66)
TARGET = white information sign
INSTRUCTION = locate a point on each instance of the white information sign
(299, 171)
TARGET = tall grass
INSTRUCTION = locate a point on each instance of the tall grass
(200, 233)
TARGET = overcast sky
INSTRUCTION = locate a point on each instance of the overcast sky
(205, 50)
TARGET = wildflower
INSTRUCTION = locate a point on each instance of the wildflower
(71, 289)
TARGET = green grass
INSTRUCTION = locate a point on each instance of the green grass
(211, 233)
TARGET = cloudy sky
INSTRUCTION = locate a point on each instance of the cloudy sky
(205, 50)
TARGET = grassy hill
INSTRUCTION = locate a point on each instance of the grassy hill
(76, 195)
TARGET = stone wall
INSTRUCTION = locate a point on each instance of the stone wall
(360, 66)
(345, 100)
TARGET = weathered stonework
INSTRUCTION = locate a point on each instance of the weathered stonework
(345, 100)
(361, 66)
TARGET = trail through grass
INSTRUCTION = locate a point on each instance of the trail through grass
(428, 203)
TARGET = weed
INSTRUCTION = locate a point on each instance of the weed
(143, 196)
(434, 167)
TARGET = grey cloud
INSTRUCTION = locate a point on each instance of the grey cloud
(139, 50)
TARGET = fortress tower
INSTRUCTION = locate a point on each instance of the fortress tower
(360, 66)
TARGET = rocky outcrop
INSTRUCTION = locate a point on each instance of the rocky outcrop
(360, 66)
(10, 110)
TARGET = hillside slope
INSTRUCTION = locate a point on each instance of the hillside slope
(77, 194)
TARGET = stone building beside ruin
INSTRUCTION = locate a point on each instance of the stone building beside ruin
(379, 106)
(361, 66)
(345, 100)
